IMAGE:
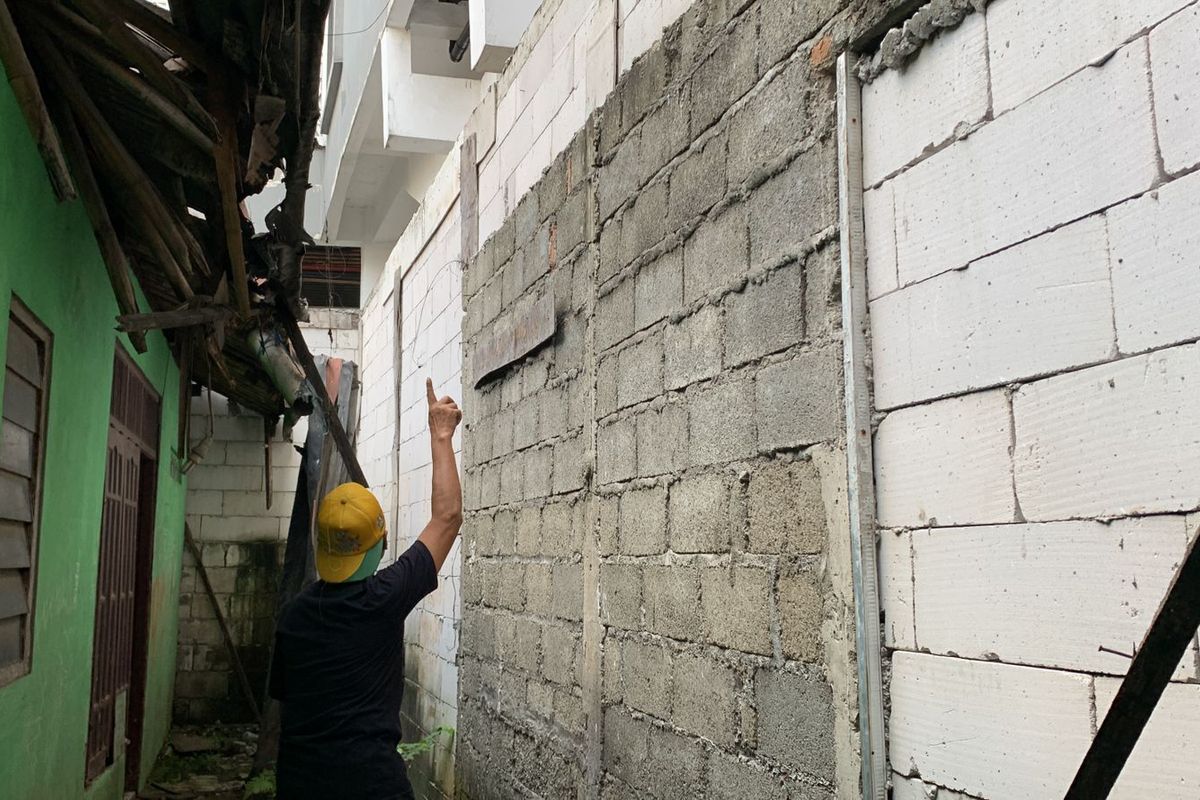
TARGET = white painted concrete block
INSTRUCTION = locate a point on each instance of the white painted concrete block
(945, 463)
(1042, 306)
(991, 730)
(569, 120)
(641, 28)
(1113, 440)
(944, 87)
(491, 216)
(1155, 241)
(1175, 64)
(896, 589)
(1165, 762)
(569, 19)
(553, 91)
(879, 225)
(1083, 145)
(1036, 43)
(601, 70)
(1046, 594)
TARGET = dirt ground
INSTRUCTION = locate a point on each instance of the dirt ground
(210, 762)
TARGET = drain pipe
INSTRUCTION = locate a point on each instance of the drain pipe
(859, 465)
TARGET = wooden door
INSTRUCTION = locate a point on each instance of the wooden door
(124, 572)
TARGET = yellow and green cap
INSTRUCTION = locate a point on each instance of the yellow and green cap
(349, 523)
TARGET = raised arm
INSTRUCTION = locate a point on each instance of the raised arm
(446, 513)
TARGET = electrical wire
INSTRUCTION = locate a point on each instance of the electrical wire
(386, 3)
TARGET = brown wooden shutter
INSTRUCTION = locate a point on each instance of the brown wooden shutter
(22, 428)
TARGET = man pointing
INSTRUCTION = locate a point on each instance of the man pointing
(338, 668)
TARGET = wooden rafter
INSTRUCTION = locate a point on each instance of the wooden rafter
(115, 261)
(29, 97)
(142, 203)
(119, 34)
(161, 30)
(171, 126)
(69, 26)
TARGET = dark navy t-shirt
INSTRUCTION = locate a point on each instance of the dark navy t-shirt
(338, 671)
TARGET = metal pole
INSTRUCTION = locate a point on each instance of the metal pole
(859, 466)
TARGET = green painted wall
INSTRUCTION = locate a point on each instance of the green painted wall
(49, 259)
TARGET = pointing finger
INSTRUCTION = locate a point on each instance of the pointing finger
(429, 395)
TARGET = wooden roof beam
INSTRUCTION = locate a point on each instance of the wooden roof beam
(226, 156)
(68, 25)
(142, 201)
(115, 261)
(33, 107)
(130, 45)
(166, 34)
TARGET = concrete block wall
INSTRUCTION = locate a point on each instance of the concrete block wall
(1032, 280)
(656, 579)
(241, 540)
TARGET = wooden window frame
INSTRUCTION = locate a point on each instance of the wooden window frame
(21, 314)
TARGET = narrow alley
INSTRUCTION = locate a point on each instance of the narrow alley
(600, 399)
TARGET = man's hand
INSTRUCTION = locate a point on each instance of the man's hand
(446, 509)
(444, 414)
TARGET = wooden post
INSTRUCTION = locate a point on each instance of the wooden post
(1170, 633)
(29, 97)
(332, 420)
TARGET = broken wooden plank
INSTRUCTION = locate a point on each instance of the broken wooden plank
(181, 318)
(33, 107)
(299, 156)
(512, 337)
(345, 449)
(1166, 641)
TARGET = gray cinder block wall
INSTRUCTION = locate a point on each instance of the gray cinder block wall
(657, 596)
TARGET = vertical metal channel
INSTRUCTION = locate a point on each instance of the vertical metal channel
(859, 465)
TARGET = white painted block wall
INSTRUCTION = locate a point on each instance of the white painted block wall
(1034, 271)
(396, 458)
